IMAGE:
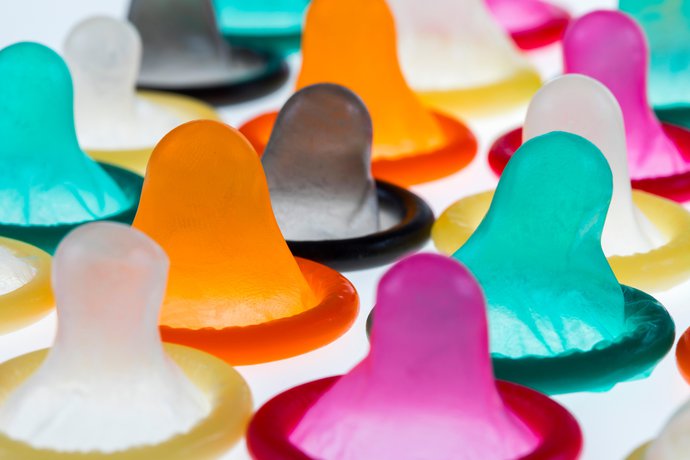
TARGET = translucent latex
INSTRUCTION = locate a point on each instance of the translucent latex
(15, 272)
(667, 28)
(206, 202)
(453, 44)
(104, 54)
(526, 16)
(317, 164)
(610, 47)
(673, 443)
(255, 17)
(537, 252)
(580, 105)
(51, 180)
(364, 59)
(426, 389)
(106, 383)
(183, 48)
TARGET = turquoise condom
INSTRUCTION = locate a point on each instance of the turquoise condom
(667, 27)
(45, 178)
(538, 255)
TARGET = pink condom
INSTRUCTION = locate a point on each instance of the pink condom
(426, 389)
(531, 23)
(610, 47)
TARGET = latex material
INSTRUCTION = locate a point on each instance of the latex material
(432, 396)
(51, 180)
(104, 55)
(683, 355)
(666, 26)
(272, 25)
(25, 292)
(672, 443)
(183, 50)
(205, 201)
(207, 440)
(411, 144)
(531, 23)
(529, 313)
(458, 59)
(77, 395)
(317, 165)
(611, 47)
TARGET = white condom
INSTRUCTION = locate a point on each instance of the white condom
(106, 384)
(103, 55)
(452, 44)
(581, 105)
(673, 443)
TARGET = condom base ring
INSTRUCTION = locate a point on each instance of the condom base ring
(211, 437)
(47, 237)
(285, 337)
(537, 24)
(268, 435)
(457, 153)
(411, 231)
(683, 355)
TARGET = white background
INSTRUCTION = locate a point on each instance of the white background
(613, 423)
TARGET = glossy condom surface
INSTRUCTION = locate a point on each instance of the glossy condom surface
(658, 155)
(645, 237)
(458, 59)
(683, 355)
(114, 123)
(25, 291)
(425, 389)
(183, 49)
(95, 378)
(531, 23)
(234, 289)
(411, 144)
(550, 290)
(40, 143)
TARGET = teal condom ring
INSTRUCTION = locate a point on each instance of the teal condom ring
(650, 336)
(47, 237)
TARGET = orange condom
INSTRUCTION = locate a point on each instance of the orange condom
(234, 288)
(353, 43)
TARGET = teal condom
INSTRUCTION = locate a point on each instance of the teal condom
(538, 255)
(667, 27)
(45, 178)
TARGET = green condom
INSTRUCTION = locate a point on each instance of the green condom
(537, 253)
(45, 178)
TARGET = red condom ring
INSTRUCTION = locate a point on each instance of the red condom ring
(531, 23)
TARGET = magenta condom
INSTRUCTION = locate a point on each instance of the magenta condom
(610, 47)
(531, 23)
(426, 389)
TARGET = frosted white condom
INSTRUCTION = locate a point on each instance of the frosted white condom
(106, 384)
(183, 48)
(581, 105)
(673, 443)
(14, 272)
(104, 55)
(452, 44)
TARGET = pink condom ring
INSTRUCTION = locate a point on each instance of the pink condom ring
(531, 23)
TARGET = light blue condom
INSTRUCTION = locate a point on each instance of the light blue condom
(45, 178)
(667, 26)
(537, 253)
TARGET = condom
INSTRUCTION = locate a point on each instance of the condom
(49, 186)
(108, 385)
(672, 443)
(425, 390)
(265, 25)
(25, 292)
(666, 26)
(411, 144)
(645, 236)
(325, 200)
(115, 124)
(235, 290)
(184, 51)
(531, 23)
(459, 60)
(683, 355)
(558, 315)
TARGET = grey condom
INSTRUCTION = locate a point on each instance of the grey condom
(317, 163)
